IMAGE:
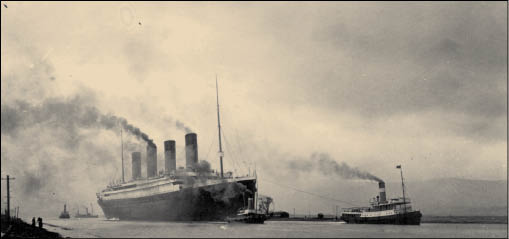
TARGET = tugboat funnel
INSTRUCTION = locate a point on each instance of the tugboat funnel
(381, 187)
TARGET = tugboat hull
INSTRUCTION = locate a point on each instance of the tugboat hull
(253, 218)
(409, 218)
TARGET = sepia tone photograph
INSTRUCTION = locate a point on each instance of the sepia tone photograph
(254, 119)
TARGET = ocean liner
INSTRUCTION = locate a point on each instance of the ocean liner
(193, 193)
(395, 211)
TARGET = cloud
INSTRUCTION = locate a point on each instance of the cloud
(362, 82)
(385, 59)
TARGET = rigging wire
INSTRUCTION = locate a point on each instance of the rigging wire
(229, 153)
(210, 147)
(240, 147)
(233, 151)
(228, 149)
(310, 193)
(228, 145)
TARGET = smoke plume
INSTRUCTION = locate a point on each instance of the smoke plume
(70, 113)
(327, 165)
(58, 144)
(178, 124)
(60, 140)
(183, 127)
(202, 168)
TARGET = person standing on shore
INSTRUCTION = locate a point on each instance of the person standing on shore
(33, 221)
(39, 220)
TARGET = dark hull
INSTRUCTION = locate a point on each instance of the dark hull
(409, 218)
(86, 216)
(207, 203)
(250, 218)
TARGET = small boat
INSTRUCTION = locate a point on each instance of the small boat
(248, 215)
(65, 213)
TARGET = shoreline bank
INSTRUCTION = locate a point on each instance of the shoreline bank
(17, 228)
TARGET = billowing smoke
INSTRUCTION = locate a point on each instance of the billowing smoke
(61, 140)
(70, 113)
(202, 168)
(183, 127)
(327, 165)
(58, 144)
(178, 124)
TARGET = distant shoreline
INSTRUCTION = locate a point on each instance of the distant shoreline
(465, 219)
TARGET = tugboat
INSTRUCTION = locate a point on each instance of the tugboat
(248, 215)
(396, 211)
(87, 214)
(65, 213)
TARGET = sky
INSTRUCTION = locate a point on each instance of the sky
(369, 84)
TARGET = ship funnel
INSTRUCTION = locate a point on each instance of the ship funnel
(151, 160)
(136, 165)
(381, 187)
(191, 150)
(170, 162)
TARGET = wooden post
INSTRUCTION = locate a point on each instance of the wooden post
(8, 209)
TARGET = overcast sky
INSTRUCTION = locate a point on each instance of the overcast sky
(371, 84)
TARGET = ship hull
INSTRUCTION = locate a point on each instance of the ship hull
(253, 218)
(206, 203)
(85, 216)
(409, 218)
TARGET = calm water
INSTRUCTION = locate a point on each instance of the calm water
(97, 227)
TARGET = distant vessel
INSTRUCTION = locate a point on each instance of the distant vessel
(396, 211)
(86, 215)
(65, 213)
(193, 193)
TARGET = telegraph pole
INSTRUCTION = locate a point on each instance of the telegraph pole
(8, 197)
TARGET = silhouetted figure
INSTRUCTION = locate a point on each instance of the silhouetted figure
(39, 220)
(33, 221)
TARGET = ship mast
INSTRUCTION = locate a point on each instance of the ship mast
(122, 151)
(403, 187)
(256, 193)
(219, 130)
